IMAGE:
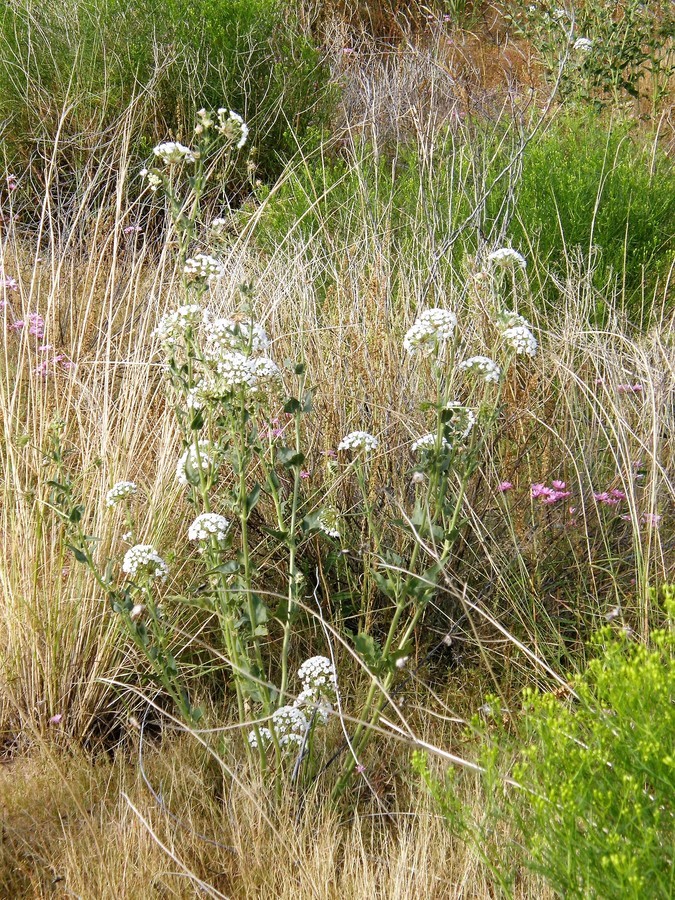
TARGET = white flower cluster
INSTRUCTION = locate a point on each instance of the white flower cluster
(517, 331)
(225, 335)
(172, 152)
(190, 462)
(289, 725)
(483, 366)
(327, 520)
(235, 371)
(209, 525)
(359, 440)
(584, 44)
(143, 559)
(173, 326)
(154, 179)
(463, 419)
(507, 258)
(232, 126)
(430, 331)
(204, 267)
(428, 442)
(119, 492)
(319, 687)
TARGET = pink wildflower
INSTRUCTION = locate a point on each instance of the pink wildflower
(17, 326)
(504, 486)
(56, 720)
(559, 485)
(132, 229)
(540, 490)
(617, 494)
(9, 283)
(37, 325)
(629, 388)
(11, 182)
(304, 474)
(651, 519)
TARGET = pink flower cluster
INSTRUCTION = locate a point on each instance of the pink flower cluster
(50, 365)
(629, 388)
(7, 282)
(610, 498)
(550, 495)
(34, 322)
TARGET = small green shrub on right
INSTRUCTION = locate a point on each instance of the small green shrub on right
(595, 811)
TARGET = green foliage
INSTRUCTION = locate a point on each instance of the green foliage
(594, 811)
(627, 60)
(94, 57)
(607, 192)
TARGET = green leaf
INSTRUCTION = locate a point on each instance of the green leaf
(292, 406)
(289, 457)
(78, 554)
(252, 499)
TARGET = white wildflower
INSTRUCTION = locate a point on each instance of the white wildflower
(507, 258)
(204, 121)
(203, 267)
(218, 225)
(483, 366)
(172, 152)
(517, 331)
(289, 724)
(128, 537)
(327, 520)
(266, 373)
(209, 525)
(462, 420)
(265, 737)
(173, 326)
(318, 673)
(317, 707)
(428, 442)
(154, 179)
(120, 491)
(188, 466)
(143, 559)
(232, 126)
(583, 44)
(224, 335)
(236, 371)
(359, 440)
(430, 331)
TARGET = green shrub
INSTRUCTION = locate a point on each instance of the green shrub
(595, 812)
(607, 192)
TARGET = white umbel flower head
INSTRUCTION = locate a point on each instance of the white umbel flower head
(225, 335)
(267, 374)
(232, 127)
(205, 268)
(120, 491)
(153, 177)
(289, 724)
(265, 737)
(359, 440)
(583, 44)
(209, 525)
(236, 371)
(507, 258)
(482, 366)
(517, 331)
(172, 152)
(428, 443)
(430, 331)
(318, 708)
(462, 421)
(189, 464)
(174, 325)
(143, 559)
(328, 522)
(318, 674)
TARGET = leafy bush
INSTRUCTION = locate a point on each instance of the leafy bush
(594, 808)
(606, 191)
